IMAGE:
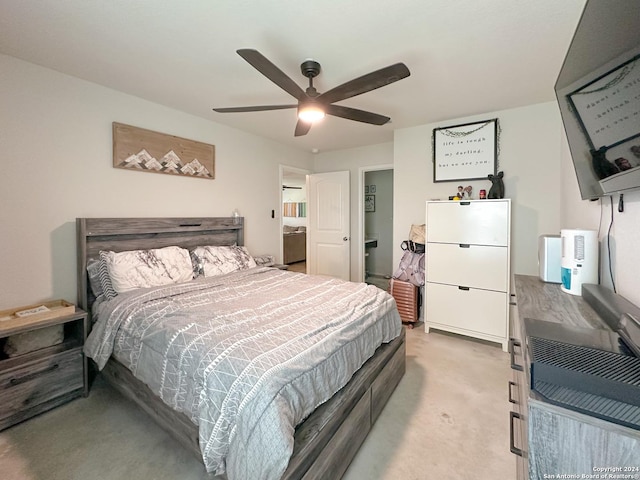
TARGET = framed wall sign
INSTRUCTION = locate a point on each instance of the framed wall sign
(608, 107)
(465, 152)
(369, 203)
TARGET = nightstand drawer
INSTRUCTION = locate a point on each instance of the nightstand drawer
(36, 385)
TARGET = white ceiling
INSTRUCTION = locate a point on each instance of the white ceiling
(466, 57)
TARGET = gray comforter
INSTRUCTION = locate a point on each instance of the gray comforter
(247, 356)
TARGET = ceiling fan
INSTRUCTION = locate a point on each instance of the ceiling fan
(313, 105)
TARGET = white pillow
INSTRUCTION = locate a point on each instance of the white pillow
(215, 260)
(148, 268)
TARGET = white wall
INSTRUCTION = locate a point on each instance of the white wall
(352, 160)
(596, 215)
(540, 180)
(624, 245)
(56, 151)
(530, 156)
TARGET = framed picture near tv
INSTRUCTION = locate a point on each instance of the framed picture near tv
(608, 107)
(465, 152)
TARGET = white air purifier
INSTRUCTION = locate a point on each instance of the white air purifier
(550, 258)
(579, 259)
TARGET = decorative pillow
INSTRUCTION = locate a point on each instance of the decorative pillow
(105, 279)
(265, 260)
(198, 267)
(220, 260)
(147, 268)
(93, 270)
(288, 229)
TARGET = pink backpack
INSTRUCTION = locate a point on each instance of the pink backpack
(411, 268)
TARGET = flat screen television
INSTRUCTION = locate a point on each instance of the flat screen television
(598, 93)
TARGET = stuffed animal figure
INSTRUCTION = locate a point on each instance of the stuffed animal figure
(603, 167)
(497, 187)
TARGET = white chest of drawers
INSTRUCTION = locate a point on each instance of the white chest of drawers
(468, 267)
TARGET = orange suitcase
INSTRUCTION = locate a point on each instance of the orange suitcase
(407, 296)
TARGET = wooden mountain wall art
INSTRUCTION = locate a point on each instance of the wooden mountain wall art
(148, 151)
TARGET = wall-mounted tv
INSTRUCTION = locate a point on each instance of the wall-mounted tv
(598, 92)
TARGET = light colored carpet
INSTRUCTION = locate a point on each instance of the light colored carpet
(379, 281)
(300, 267)
(448, 419)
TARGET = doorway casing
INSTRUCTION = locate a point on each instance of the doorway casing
(361, 218)
(285, 171)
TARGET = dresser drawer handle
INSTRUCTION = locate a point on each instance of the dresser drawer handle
(464, 245)
(512, 344)
(31, 376)
(466, 289)
(512, 446)
(511, 384)
(465, 203)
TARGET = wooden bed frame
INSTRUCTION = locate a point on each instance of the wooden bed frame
(327, 441)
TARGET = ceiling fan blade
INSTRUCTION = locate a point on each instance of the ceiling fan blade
(273, 73)
(261, 108)
(355, 114)
(366, 83)
(302, 128)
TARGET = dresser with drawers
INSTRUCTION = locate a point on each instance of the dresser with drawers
(467, 268)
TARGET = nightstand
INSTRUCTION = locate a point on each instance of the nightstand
(39, 380)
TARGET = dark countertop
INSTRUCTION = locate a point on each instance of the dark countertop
(546, 301)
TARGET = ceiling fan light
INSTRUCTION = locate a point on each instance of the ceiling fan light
(310, 113)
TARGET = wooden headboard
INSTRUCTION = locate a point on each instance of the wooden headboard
(121, 234)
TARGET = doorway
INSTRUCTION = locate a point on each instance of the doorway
(293, 217)
(377, 225)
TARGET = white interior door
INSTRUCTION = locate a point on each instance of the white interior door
(328, 236)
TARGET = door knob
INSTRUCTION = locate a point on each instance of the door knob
(345, 238)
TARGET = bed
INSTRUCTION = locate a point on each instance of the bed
(329, 435)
